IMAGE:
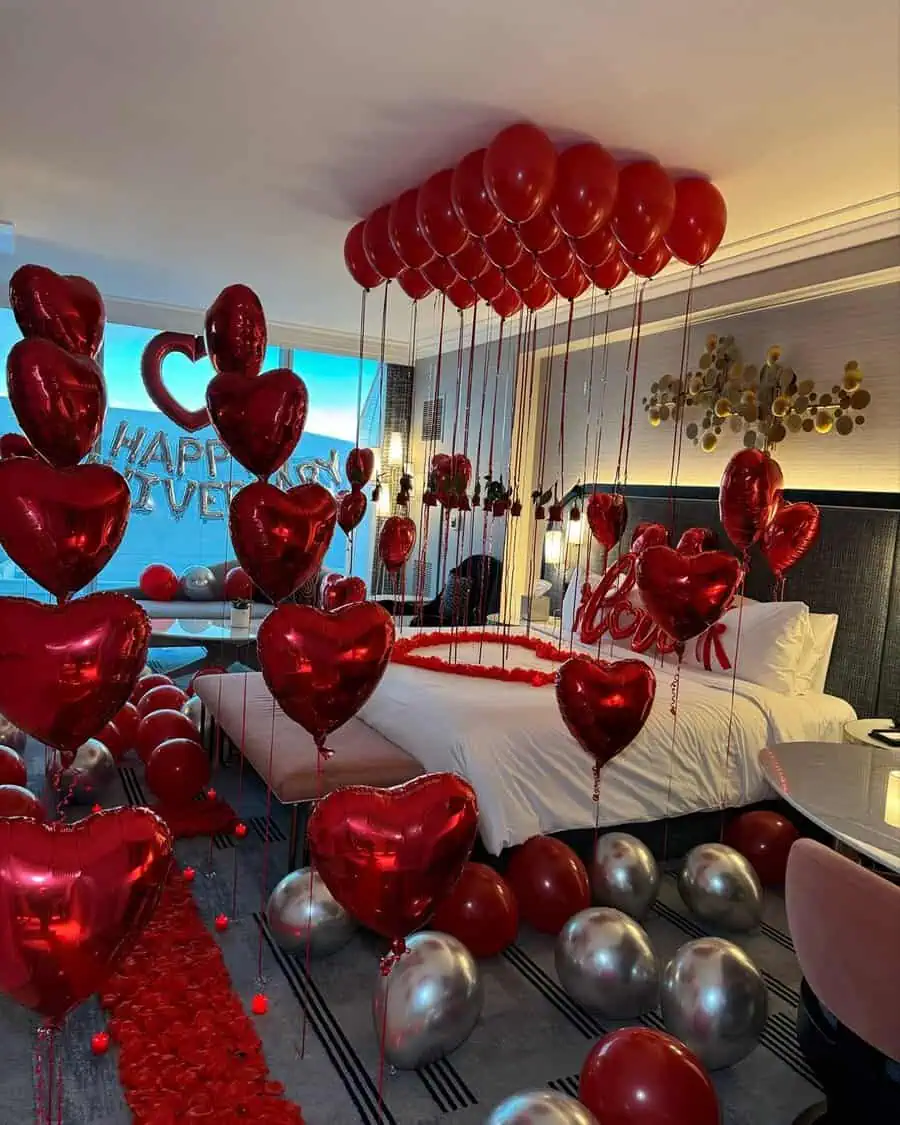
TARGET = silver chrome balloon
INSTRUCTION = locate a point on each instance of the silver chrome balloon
(298, 912)
(82, 780)
(720, 887)
(714, 1000)
(198, 583)
(433, 996)
(624, 874)
(541, 1107)
(605, 961)
(194, 710)
(11, 736)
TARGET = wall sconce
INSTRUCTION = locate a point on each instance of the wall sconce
(395, 449)
(574, 531)
(385, 499)
(553, 542)
(892, 800)
(376, 468)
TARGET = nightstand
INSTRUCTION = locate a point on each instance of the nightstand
(858, 731)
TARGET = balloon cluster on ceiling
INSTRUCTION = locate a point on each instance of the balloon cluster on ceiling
(520, 224)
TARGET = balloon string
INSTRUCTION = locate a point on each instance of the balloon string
(56, 1061)
(382, 1038)
(460, 354)
(734, 670)
(494, 407)
(428, 452)
(634, 313)
(42, 1107)
(681, 400)
(562, 402)
(240, 798)
(595, 797)
(320, 761)
(359, 398)
(266, 843)
(634, 375)
(673, 711)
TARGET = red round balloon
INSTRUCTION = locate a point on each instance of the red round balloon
(127, 722)
(520, 170)
(12, 767)
(112, 739)
(461, 294)
(480, 911)
(596, 249)
(585, 189)
(238, 586)
(698, 224)
(638, 1076)
(158, 583)
(477, 211)
(405, 232)
(503, 247)
(507, 304)
(572, 284)
(358, 265)
(540, 233)
(414, 284)
(765, 839)
(16, 800)
(16, 445)
(558, 260)
(441, 274)
(524, 273)
(147, 683)
(470, 262)
(650, 263)
(378, 245)
(644, 206)
(608, 274)
(159, 727)
(178, 770)
(437, 216)
(490, 285)
(163, 698)
(550, 883)
(539, 294)
(749, 495)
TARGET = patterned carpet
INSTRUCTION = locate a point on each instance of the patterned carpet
(530, 1032)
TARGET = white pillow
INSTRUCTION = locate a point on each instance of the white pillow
(813, 670)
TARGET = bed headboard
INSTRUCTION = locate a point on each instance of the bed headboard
(853, 570)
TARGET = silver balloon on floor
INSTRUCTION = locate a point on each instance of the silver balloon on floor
(720, 887)
(194, 710)
(433, 996)
(541, 1107)
(11, 736)
(624, 874)
(301, 910)
(714, 1000)
(198, 583)
(81, 780)
(605, 961)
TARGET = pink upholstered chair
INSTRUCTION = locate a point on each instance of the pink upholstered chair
(845, 924)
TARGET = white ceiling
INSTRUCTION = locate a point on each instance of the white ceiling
(168, 148)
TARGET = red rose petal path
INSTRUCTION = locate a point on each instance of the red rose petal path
(187, 1049)
(405, 653)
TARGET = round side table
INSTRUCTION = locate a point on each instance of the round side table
(857, 730)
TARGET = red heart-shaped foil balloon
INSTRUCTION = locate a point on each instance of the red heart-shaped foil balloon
(16, 445)
(793, 530)
(66, 670)
(685, 594)
(260, 419)
(396, 541)
(236, 335)
(68, 310)
(604, 703)
(61, 526)
(607, 515)
(351, 507)
(163, 344)
(72, 898)
(322, 667)
(748, 496)
(59, 399)
(360, 465)
(697, 539)
(648, 534)
(342, 591)
(280, 538)
(389, 856)
(451, 473)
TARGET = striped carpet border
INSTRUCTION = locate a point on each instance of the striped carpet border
(567, 1085)
(257, 824)
(688, 925)
(579, 1017)
(446, 1086)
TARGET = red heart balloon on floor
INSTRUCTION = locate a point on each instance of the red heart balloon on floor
(163, 344)
(607, 515)
(685, 594)
(66, 670)
(697, 539)
(16, 445)
(236, 335)
(343, 591)
(351, 509)
(68, 310)
(360, 465)
(793, 530)
(396, 541)
(259, 420)
(72, 898)
(322, 667)
(59, 399)
(389, 856)
(280, 538)
(604, 703)
(648, 535)
(61, 526)
(748, 496)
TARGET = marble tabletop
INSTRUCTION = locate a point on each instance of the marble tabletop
(199, 631)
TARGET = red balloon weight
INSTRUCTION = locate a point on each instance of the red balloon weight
(238, 586)
(358, 265)
(178, 770)
(127, 722)
(558, 261)
(322, 667)
(765, 839)
(638, 1076)
(470, 262)
(396, 541)
(16, 800)
(604, 703)
(58, 398)
(503, 247)
(550, 883)
(644, 206)
(697, 539)
(607, 515)
(475, 208)
(280, 538)
(650, 263)
(351, 508)
(790, 534)
(437, 216)
(480, 911)
(685, 594)
(390, 855)
(112, 739)
(538, 295)
(260, 420)
(441, 274)
(647, 535)
(585, 190)
(343, 591)
(540, 233)
(12, 767)
(698, 224)
(164, 344)
(490, 285)
(461, 294)
(572, 284)
(88, 889)
(523, 274)
(520, 170)
(414, 284)
(159, 727)
(359, 466)
(608, 275)
(166, 697)
(507, 304)
(16, 445)
(66, 670)
(235, 330)
(148, 683)
(158, 583)
(67, 310)
(61, 526)
(405, 232)
(749, 496)
(378, 245)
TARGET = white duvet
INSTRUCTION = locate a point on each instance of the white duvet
(532, 777)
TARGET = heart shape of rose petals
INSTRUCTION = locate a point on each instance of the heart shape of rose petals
(71, 899)
(280, 538)
(790, 534)
(389, 856)
(59, 399)
(236, 334)
(748, 496)
(342, 591)
(396, 541)
(66, 670)
(685, 594)
(259, 419)
(360, 465)
(604, 703)
(697, 539)
(65, 309)
(61, 526)
(351, 509)
(607, 515)
(162, 345)
(322, 667)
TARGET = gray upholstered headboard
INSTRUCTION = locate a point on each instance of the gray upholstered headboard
(853, 570)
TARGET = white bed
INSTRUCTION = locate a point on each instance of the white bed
(531, 776)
